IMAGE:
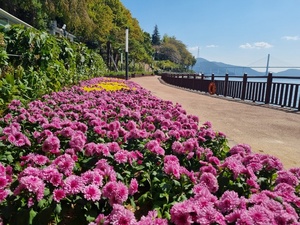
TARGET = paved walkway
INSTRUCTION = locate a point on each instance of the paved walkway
(266, 129)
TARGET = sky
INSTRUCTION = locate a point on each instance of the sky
(237, 32)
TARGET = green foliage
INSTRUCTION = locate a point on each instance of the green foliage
(156, 36)
(41, 64)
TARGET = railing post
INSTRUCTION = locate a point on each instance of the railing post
(269, 86)
(244, 86)
(226, 84)
(212, 77)
(202, 76)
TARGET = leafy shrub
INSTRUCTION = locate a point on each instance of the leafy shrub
(42, 63)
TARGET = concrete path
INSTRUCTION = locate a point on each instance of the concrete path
(268, 130)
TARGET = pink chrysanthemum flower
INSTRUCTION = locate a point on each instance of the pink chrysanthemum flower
(116, 192)
(3, 195)
(261, 215)
(51, 144)
(92, 177)
(210, 181)
(228, 201)
(58, 195)
(178, 148)
(181, 213)
(172, 166)
(287, 177)
(77, 141)
(73, 185)
(151, 219)
(113, 147)
(52, 175)
(92, 192)
(121, 216)
(64, 163)
(121, 156)
(33, 184)
(133, 186)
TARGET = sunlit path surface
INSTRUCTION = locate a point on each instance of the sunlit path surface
(266, 130)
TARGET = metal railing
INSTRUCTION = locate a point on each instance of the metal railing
(273, 90)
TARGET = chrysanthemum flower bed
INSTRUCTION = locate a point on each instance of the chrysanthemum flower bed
(95, 156)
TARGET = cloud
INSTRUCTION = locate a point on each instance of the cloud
(256, 45)
(212, 46)
(291, 38)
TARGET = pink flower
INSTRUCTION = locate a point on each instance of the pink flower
(287, 177)
(133, 186)
(172, 166)
(178, 148)
(116, 192)
(58, 194)
(92, 177)
(228, 201)
(260, 215)
(64, 163)
(113, 146)
(77, 141)
(121, 216)
(121, 156)
(241, 149)
(3, 195)
(52, 175)
(51, 144)
(92, 192)
(73, 185)
(33, 184)
(154, 147)
(181, 213)
(210, 181)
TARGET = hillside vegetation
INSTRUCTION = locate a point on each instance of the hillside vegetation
(99, 24)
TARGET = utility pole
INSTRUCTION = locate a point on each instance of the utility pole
(126, 53)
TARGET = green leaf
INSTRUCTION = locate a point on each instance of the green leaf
(32, 214)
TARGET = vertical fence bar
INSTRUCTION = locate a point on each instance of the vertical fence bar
(244, 87)
(226, 84)
(269, 85)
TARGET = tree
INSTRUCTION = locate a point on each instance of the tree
(156, 36)
(175, 51)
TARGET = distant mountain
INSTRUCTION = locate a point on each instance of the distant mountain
(218, 68)
(289, 72)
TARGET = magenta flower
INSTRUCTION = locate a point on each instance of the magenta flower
(181, 213)
(58, 195)
(77, 141)
(119, 215)
(113, 147)
(151, 219)
(52, 175)
(210, 181)
(228, 202)
(287, 177)
(116, 192)
(51, 144)
(92, 192)
(121, 156)
(172, 166)
(178, 148)
(3, 195)
(64, 163)
(32, 184)
(92, 177)
(133, 186)
(73, 185)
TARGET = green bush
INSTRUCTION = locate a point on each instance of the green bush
(33, 63)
